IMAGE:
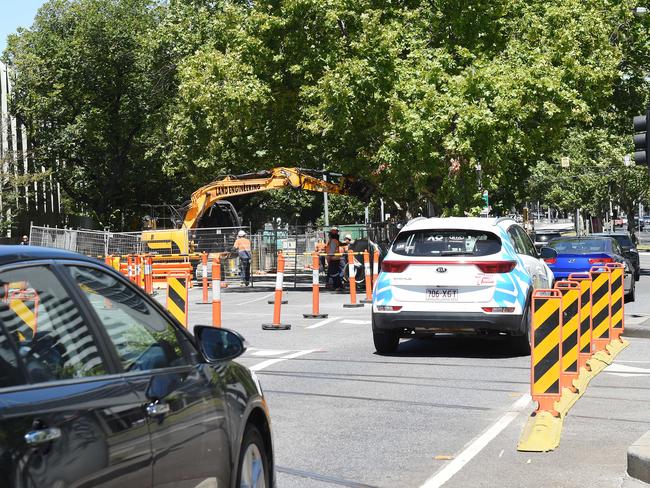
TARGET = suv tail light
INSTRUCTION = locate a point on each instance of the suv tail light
(600, 260)
(394, 266)
(550, 260)
(495, 266)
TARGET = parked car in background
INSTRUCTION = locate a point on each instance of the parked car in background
(580, 254)
(99, 386)
(462, 275)
(629, 249)
(542, 238)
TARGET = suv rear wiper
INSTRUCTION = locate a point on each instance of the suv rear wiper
(455, 253)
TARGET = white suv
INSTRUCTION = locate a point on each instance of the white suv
(456, 275)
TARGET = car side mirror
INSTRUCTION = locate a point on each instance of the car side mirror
(547, 253)
(217, 344)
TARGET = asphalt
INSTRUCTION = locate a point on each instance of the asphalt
(443, 411)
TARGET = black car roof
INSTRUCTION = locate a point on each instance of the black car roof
(12, 254)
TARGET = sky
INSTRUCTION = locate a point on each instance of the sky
(14, 14)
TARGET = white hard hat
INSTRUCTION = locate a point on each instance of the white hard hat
(241, 233)
(348, 236)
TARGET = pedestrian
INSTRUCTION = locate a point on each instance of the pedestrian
(320, 249)
(24, 241)
(243, 247)
(343, 249)
(333, 259)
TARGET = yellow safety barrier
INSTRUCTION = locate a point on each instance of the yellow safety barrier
(177, 287)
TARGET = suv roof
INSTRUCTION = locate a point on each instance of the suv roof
(478, 223)
(11, 254)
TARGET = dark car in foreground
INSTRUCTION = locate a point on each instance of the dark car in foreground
(99, 386)
(629, 249)
(580, 254)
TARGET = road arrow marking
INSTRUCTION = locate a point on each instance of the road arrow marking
(623, 370)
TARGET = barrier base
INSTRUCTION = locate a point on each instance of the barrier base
(276, 327)
(617, 346)
(541, 433)
(604, 356)
(566, 401)
(352, 305)
(365, 300)
(583, 380)
(315, 315)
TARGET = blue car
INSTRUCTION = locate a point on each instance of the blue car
(580, 254)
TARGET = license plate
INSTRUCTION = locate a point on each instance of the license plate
(442, 294)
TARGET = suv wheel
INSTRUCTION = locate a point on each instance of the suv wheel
(385, 342)
(522, 342)
(253, 470)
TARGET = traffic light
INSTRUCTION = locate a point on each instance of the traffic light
(641, 139)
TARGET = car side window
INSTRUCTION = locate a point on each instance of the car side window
(528, 246)
(143, 338)
(10, 373)
(516, 240)
(53, 339)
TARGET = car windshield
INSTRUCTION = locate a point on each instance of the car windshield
(451, 242)
(579, 246)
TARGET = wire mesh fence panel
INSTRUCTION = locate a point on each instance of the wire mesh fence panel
(89, 242)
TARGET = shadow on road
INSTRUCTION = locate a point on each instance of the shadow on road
(459, 346)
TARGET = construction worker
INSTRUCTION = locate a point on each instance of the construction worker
(24, 241)
(320, 249)
(333, 260)
(243, 247)
(344, 247)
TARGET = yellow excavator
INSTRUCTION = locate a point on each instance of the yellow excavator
(205, 198)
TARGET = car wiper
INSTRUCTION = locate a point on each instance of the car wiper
(454, 253)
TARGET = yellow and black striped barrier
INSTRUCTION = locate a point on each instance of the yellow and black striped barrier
(600, 307)
(585, 349)
(546, 348)
(576, 331)
(177, 297)
(616, 284)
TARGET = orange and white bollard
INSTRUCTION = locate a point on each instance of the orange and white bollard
(368, 277)
(375, 267)
(216, 292)
(352, 279)
(315, 313)
(276, 325)
(148, 276)
(204, 276)
(131, 267)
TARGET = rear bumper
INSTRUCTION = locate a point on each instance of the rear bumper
(431, 321)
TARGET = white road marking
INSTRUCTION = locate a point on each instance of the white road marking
(623, 370)
(255, 299)
(271, 362)
(322, 322)
(269, 352)
(477, 445)
(356, 322)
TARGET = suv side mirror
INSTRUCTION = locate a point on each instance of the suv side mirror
(217, 344)
(548, 254)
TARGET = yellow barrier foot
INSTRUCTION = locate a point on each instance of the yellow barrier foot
(566, 401)
(597, 365)
(583, 380)
(617, 346)
(541, 433)
(604, 356)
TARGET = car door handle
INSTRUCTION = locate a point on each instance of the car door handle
(156, 409)
(41, 436)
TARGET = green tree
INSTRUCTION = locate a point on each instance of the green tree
(91, 93)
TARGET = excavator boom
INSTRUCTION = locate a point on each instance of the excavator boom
(276, 178)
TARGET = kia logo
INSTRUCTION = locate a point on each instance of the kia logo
(441, 270)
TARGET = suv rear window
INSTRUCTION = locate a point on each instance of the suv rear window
(624, 241)
(452, 242)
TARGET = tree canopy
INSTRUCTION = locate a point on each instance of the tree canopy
(145, 100)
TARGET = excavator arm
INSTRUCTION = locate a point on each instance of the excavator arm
(273, 179)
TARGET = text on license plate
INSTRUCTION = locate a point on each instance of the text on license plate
(442, 294)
